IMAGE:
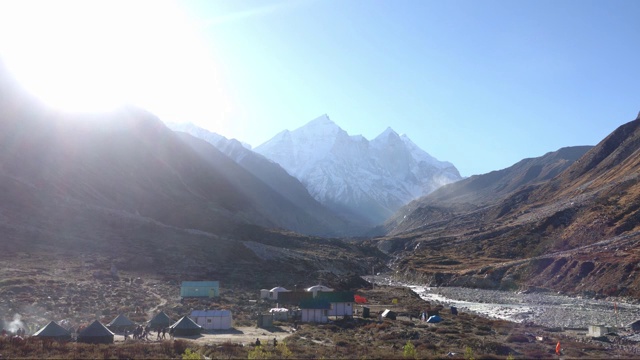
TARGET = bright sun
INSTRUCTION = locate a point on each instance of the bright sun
(96, 55)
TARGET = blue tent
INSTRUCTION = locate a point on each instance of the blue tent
(434, 319)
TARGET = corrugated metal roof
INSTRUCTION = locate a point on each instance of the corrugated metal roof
(315, 304)
(211, 313)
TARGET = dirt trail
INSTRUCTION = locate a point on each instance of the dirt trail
(163, 301)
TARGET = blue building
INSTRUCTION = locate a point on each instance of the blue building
(207, 289)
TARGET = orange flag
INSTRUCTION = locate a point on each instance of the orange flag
(558, 348)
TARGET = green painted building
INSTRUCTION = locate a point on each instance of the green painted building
(200, 289)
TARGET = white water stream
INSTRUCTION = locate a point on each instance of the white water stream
(546, 309)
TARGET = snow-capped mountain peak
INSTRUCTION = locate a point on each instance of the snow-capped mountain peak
(365, 180)
(386, 134)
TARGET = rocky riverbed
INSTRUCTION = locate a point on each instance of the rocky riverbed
(545, 309)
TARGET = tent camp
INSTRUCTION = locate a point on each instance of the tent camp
(121, 323)
(212, 319)
(160, 321)
(96, 333)
(186, 327)
(53, 331)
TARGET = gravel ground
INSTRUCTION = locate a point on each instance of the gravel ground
(545, 309)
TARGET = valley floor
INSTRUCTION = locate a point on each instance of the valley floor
(77, 291)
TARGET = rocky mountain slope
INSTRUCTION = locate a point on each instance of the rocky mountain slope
(577, 232)
(123, 185)
(366, 181)
(480, 191)
(278, 180)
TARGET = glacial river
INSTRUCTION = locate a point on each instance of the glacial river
(546, 309)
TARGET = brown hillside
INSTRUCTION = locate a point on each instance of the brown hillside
(577, 232)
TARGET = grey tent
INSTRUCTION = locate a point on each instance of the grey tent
(96, 333)
(186, 327)
(53, 331)
(160, 321)
(121, 323)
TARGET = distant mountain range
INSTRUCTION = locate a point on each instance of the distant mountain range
(125, 186)
(479, 191)
(365, 181)
(278, 181)
(568, 221)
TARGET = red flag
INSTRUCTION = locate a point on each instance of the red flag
(558, 348)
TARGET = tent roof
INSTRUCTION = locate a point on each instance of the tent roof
(220, 313)
(319, 288)
(52, 329)
(161, 318)
(185, 323)
(96, 329)
(121, 320)
(278, 289)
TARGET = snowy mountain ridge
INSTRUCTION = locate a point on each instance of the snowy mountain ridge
(276, 177)
(364, 180)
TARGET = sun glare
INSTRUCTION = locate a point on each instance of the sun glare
(97, 55)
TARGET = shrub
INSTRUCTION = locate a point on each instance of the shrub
(259, 352)
(409, 351)
(190, 355)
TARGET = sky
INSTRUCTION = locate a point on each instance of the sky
(482, 84)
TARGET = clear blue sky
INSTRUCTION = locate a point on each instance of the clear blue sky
(482, 84)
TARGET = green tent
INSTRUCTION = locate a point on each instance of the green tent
(53, 331)
(160, 321)
(186, 327)
(96, 333)
(121, 323)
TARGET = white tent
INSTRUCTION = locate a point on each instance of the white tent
(273, 293)
(264, 293)
(314, 289)
(280, 314)
(212, 319)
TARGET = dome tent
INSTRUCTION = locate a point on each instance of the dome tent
(186, 327)
(96, 333)
(53, 331)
